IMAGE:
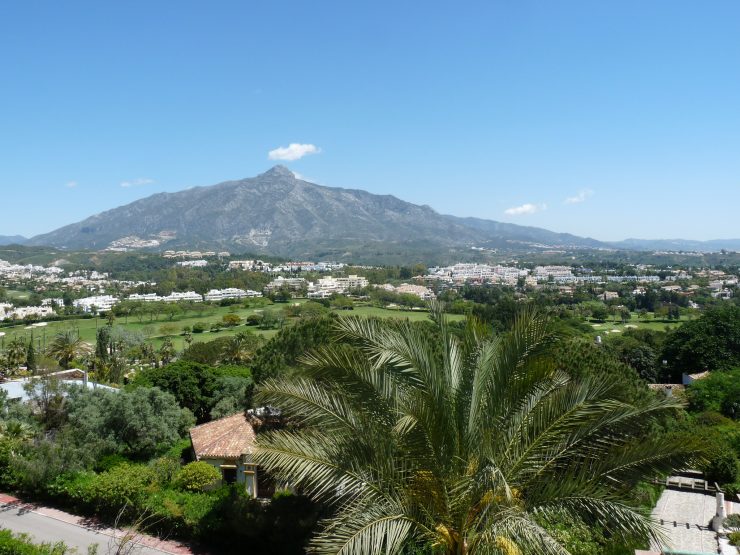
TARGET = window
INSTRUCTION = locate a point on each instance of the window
(229, 474)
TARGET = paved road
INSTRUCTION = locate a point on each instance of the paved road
(50, 525)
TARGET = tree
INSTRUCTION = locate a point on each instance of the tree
(167, 351)
(240, 349)
(231, 320)
(16, 354)
(140, 423)
(711, 342)
(467, 443)
(718, 392)
(67, 346)
(31, 356)
(195, 386)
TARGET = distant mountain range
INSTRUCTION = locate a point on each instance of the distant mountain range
(713, 245)
(12, 239)
(279, 214)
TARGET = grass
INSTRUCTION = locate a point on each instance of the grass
(152, 329)
(634, 323)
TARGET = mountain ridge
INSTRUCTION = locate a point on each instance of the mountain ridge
(277, 213)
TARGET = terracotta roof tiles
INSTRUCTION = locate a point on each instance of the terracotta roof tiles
(226, 438)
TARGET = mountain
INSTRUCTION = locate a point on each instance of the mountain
(279, 214)
(684, 245)
(12, 240)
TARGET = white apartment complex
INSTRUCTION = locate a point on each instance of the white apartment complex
(101, 303)
(230, 293)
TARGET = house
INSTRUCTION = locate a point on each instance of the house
(228, 444)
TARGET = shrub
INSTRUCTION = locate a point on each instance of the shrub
(198, 476)
(231, 320)
(123, 486)
(199, 327)
(165, 469)
(724, 467)
(734, 538)
(108, 462)
(21, 544)
(253, 319)
(732, 522)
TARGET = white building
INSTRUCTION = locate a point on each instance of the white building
(420, 291)
(176, 297)
(22, 312)
(193, 263)
(230, 293)
(145, 297)
(292, 283)
(102, 303)
(325, 287)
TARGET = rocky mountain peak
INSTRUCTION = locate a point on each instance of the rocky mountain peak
(279, 171)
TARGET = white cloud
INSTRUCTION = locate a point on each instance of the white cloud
(527, 208)
(137, 182)
(582, 195)
(294, 151)
(70, 184)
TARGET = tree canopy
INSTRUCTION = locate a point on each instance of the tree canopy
(471, 444)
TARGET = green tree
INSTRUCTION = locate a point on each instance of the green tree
(464, 443)
(140, 423)
(711, 342)
(16, 353)
(194, 386)
(31, 356)
(66, 346)
(240, 349)
(231, 320)
(167, 351)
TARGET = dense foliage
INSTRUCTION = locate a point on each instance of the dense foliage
(473, 444)
(711, 342)
(201, 388)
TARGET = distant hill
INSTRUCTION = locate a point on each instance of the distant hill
(683, 245)
(12, 240)
(279, 214)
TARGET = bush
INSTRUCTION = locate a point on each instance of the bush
(723, 468)
(230, 320)
(21, 544)
(107, 462)
(253, 319)
(165, 469)
(734, 538)
(199, 327)
(198, 477)
(123, 486)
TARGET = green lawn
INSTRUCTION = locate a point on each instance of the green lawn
(634, 323)
(155, 329)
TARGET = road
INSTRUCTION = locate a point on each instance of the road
(50, 525)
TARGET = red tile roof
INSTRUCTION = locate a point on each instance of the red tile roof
(225, 438)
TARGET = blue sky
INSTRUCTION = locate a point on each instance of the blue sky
(494, 109)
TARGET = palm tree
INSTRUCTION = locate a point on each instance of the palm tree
(16, 430)
(466, 445)
(241, 348)
(16, 354)
(67, 346)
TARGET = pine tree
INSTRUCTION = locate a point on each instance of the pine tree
(31, 356)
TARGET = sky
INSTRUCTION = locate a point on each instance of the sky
(609, 119)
